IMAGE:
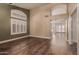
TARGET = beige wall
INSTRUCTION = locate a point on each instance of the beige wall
(40, 20)
(39, 23)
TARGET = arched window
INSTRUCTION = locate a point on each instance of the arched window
(18, 22)
(59, 9)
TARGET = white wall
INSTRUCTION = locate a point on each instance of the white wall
(78, 28)
(71, 8)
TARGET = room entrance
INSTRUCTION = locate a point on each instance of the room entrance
(58, 29)
(59, 37)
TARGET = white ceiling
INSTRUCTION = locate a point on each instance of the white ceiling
(28, 5)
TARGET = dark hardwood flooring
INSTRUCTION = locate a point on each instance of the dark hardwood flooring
(29, 46)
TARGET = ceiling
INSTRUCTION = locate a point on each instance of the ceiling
(28, 5)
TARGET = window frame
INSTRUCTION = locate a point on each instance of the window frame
(18, 21)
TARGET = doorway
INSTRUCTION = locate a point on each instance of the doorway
(58, 29)
(59, 37)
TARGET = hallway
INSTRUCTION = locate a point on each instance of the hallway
(59, 45)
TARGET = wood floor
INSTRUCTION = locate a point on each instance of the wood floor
(30, 46)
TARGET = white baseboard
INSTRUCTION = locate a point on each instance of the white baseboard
(39, 37)
(9, 40)
(71, 42)
(5, 41)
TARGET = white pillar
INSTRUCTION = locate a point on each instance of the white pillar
(69, 30)
(78, 29)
